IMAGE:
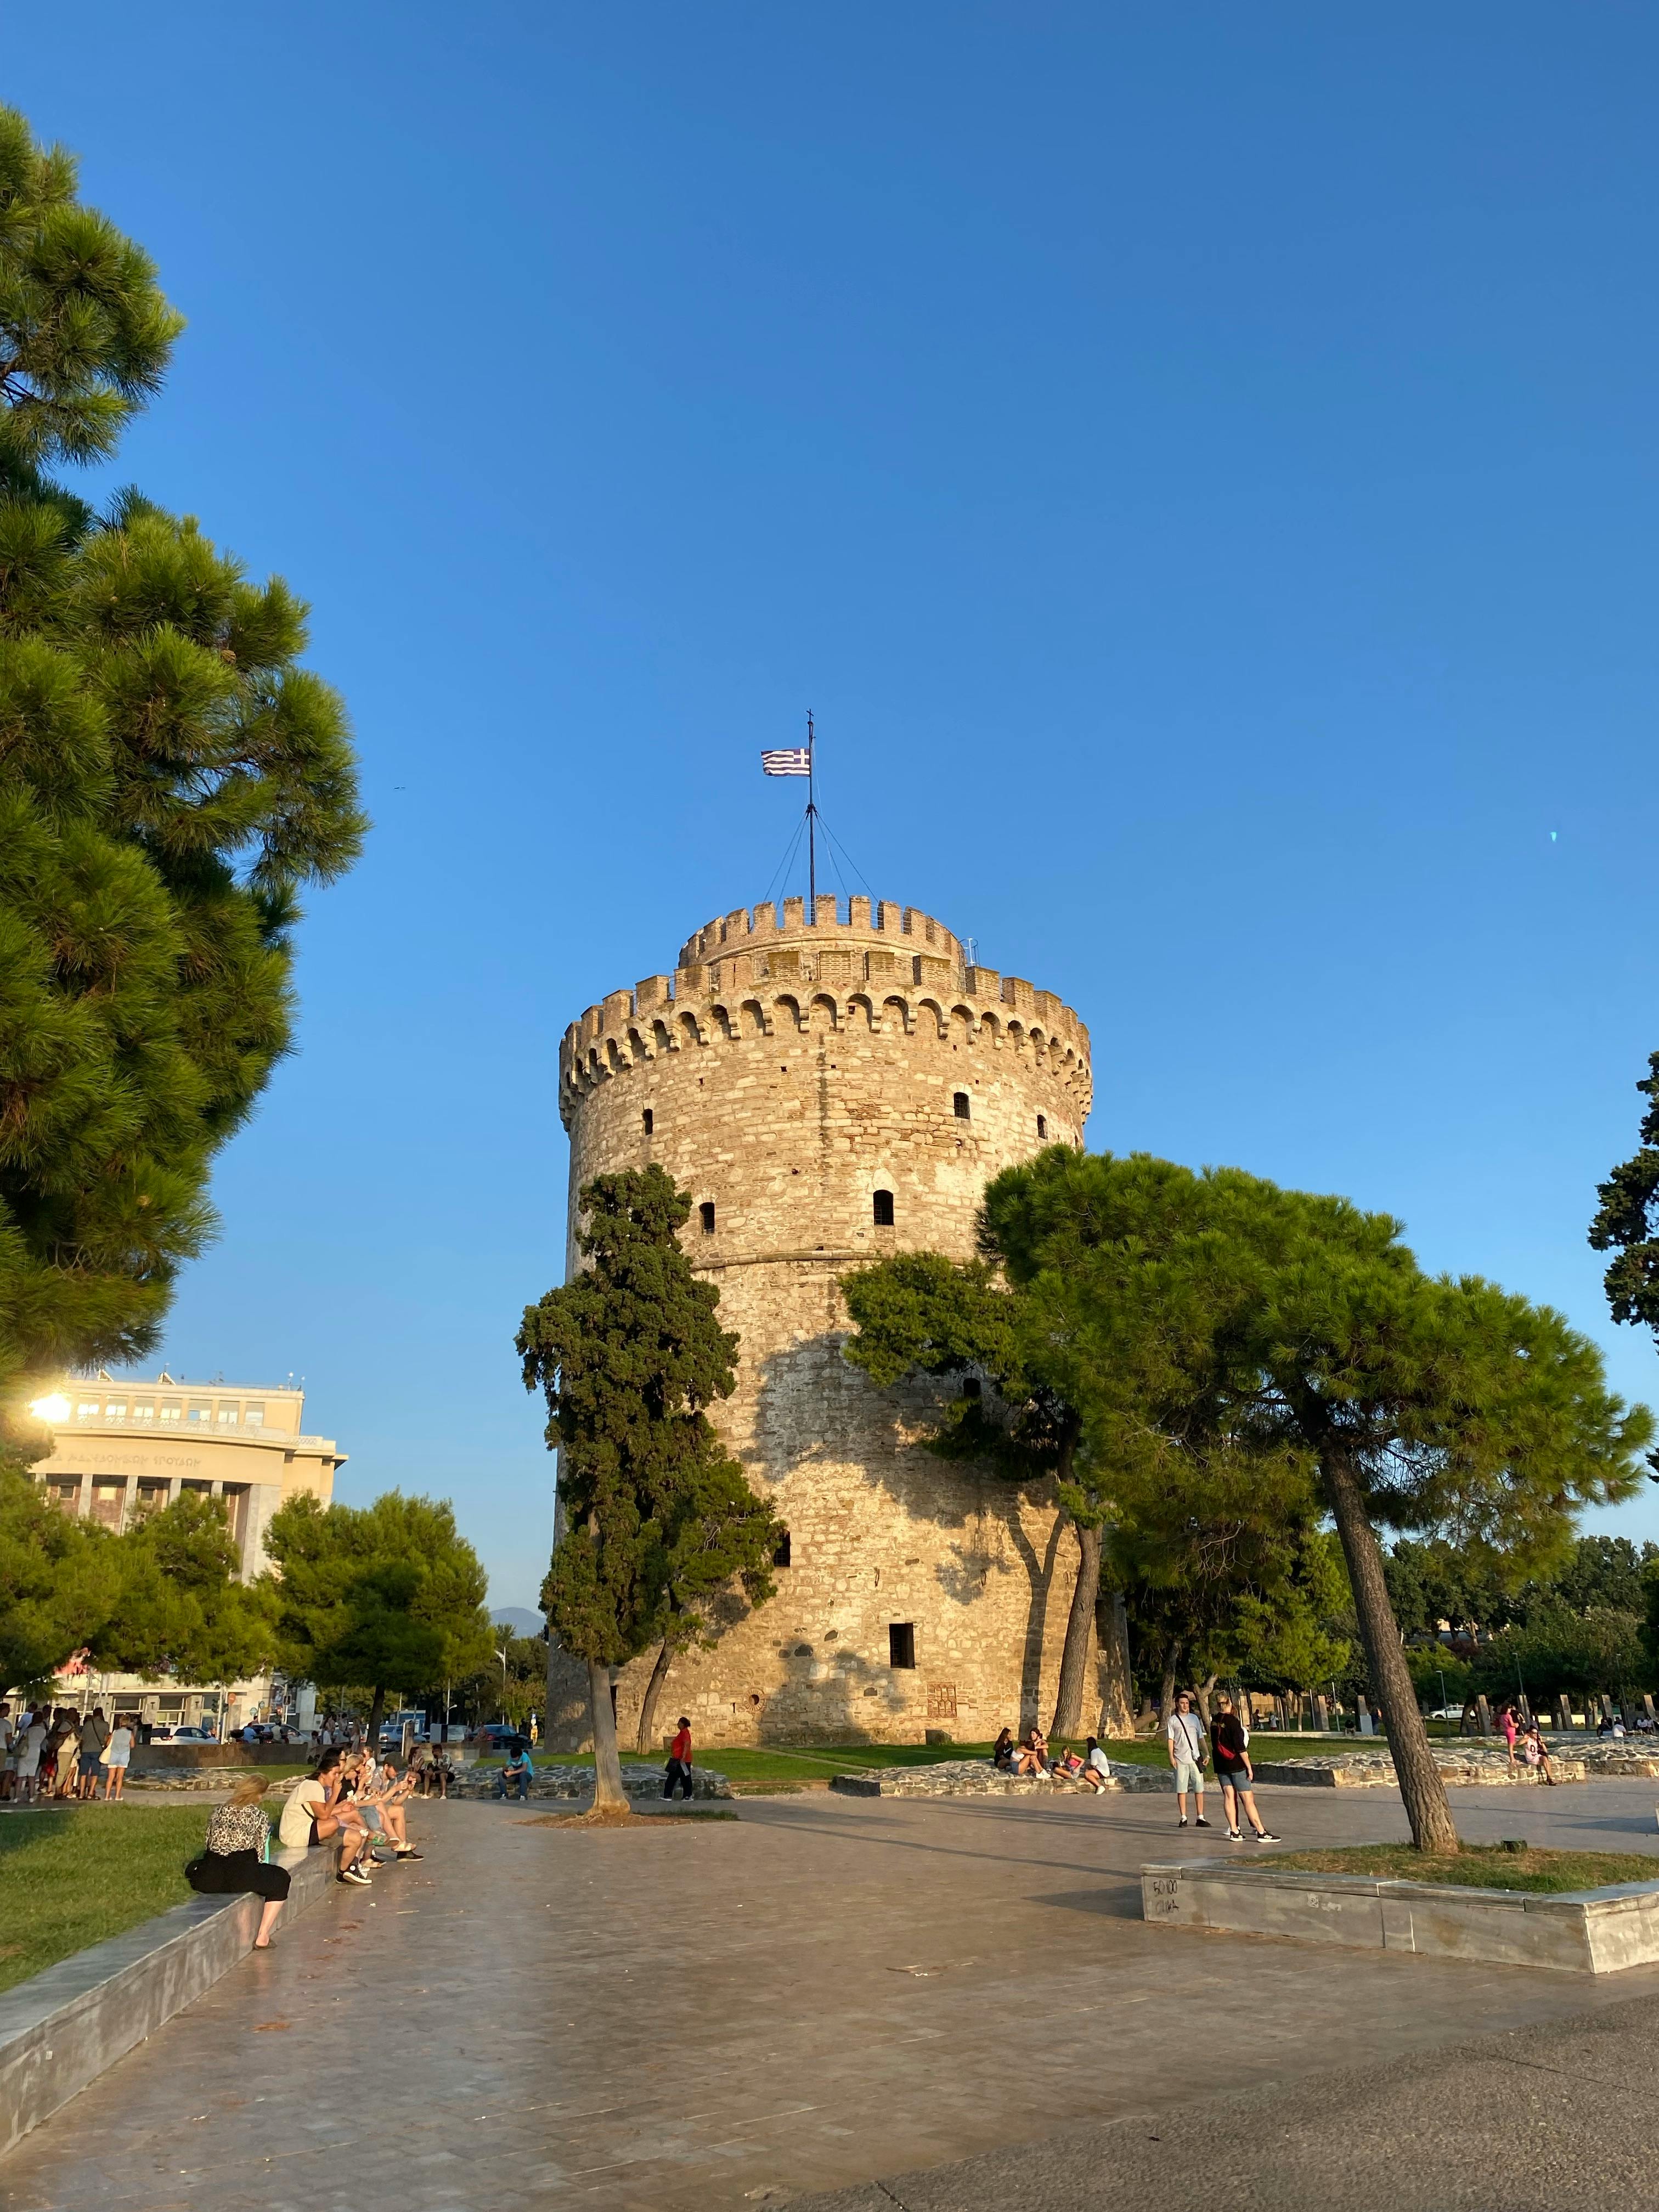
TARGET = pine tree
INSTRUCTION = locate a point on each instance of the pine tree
(629, 1354)
(170, 778)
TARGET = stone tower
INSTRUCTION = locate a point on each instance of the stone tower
(829, 1091)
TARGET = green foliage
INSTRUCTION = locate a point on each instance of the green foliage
(1628, 1217)
(85, 333)
(718, 1542)
(377, 1597)
(180, 1612)
(1554, 1649)
(629, 1353)
(60, 1581)
(170, 777)
(1289, 1640)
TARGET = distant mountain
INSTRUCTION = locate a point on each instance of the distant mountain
(518, 1618)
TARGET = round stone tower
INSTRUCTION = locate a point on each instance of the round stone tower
(829, 1091)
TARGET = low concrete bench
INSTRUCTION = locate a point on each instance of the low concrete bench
(1586, 1931)
(59, 2031)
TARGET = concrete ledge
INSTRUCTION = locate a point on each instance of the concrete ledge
(1588, 1931)
(59, 2031)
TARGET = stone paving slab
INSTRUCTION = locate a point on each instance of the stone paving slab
(689, 2014)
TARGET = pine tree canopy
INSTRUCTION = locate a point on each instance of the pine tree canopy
(1626, 1222)
(84, 331)
(170, 778)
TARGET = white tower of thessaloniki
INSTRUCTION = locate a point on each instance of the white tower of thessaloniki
(829, 1091)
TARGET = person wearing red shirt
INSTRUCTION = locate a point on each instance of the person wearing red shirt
(679, 1760)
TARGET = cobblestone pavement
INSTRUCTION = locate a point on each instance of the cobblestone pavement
(719, 2012)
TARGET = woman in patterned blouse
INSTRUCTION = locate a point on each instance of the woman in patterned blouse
(238, 1837)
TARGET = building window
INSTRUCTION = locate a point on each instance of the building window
(970, 1386)
(1042, 1125)
(227, 1417)
(902, 1643)
(647, 1121)
(254, 1416)
(706, 1214)
(87, 1410)
(960, 1103)
(200, 1411)
(143, 1413)
(172, 1411)
(116, 1410)
(780, 1556)
(884, 1209)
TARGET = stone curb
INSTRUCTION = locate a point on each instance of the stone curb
(61, 2029)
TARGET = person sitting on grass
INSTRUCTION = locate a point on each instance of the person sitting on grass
(519, 1771)
(236, 1858)
(1002, 1753)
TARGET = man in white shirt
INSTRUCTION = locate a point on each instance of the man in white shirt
(1186, 1739)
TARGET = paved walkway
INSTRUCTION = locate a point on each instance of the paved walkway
(722, 2012)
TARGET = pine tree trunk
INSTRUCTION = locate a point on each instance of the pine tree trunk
(653, 1691)
(1202, 1694)
(376, 1715)
(1421, 1788)
(1166, 1689)
(1117, 1713)
(1079, 1635)
(609, 1795)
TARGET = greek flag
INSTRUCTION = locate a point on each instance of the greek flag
(787, 760)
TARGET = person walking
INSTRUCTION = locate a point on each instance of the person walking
(1185, 1736)
(679, 1760)
(1233, 1770)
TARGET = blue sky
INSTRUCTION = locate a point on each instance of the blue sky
(1199, 465)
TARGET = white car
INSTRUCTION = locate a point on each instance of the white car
(182, 1736)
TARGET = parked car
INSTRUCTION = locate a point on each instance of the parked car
(495, 1735)
(182, 1736)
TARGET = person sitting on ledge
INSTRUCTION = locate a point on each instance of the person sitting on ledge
(1097, 1768)
(1034, 1753)
(519, 1770)
(236, 1854)
(316, 1811)
(1535, 1753)
(1002, 1753)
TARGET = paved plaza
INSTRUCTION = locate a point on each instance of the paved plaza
(831, 1994)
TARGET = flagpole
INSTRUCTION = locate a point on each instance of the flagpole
(812, 830)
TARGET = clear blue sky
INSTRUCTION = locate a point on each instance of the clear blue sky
(1198, 464)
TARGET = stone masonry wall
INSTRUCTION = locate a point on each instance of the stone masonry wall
(786, 1083)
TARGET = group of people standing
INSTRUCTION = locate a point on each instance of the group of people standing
(1229, 1739)
(58, 1753)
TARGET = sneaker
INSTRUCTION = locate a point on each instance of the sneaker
(1235, 1835)
(355, 1874)
(1201, 1822)
(1183, 1821)
(1265, 1836)
(411, 1853)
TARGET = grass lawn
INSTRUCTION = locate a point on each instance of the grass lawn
(1479, 1866)
(73, 1877)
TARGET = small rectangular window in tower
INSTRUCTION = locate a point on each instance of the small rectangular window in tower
(902, 1643)
(960, 1102)
(649, 1121)
(970, 1386)
(884, 1209)
(706, 1214)
(1042, 1124)
(781, 1556)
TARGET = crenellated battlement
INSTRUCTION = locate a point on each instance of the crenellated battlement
(868, 922)
(882, 968)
